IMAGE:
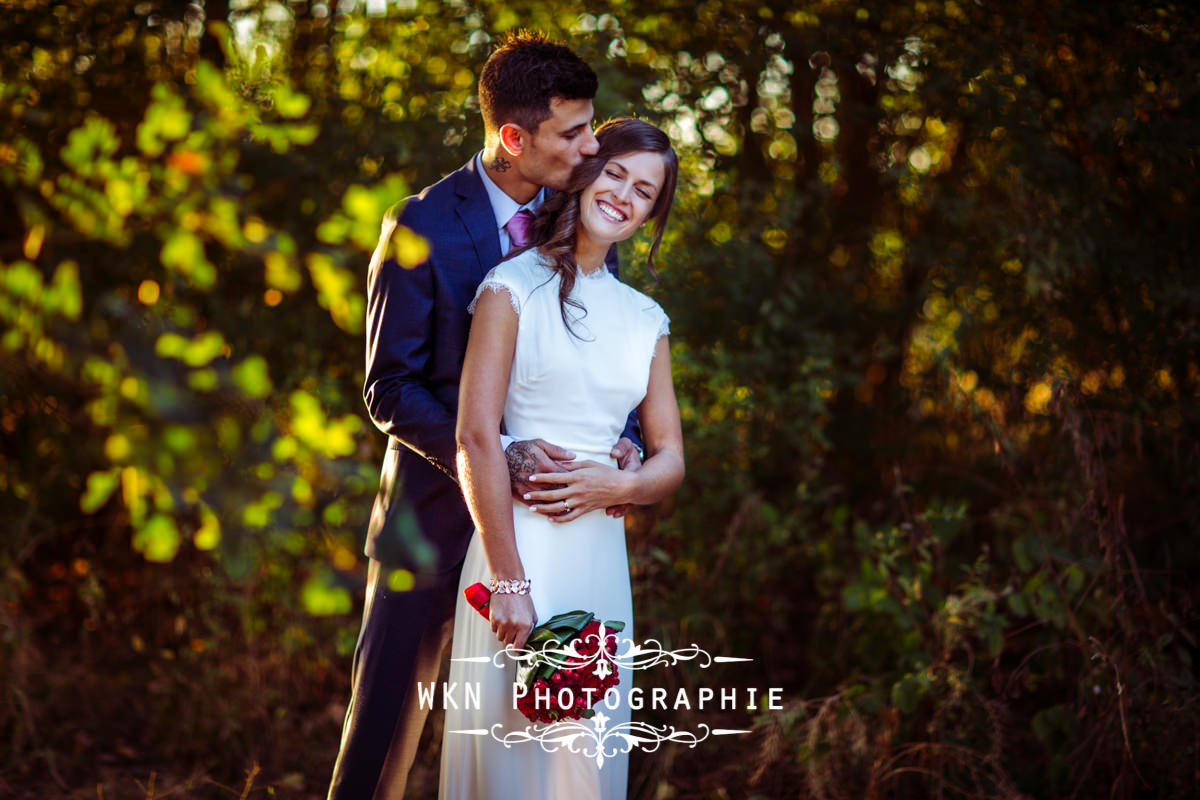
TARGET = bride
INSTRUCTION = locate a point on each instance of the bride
(559, 348)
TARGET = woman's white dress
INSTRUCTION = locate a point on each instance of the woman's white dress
(576, 392)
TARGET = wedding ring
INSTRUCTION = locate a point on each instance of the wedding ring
(566, 508)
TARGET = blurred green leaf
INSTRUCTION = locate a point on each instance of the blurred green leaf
(157, 539)
(291, 104)
(90, 146)
(100, 486)
(322, 599)
(252, 376)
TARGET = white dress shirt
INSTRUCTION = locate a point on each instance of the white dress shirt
(503, 206)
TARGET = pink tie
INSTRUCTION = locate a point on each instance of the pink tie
(518, 227)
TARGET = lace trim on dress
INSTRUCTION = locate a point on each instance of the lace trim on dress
(664, 329)
(600, 272)
(496, 286)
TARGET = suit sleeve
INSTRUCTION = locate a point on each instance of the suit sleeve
(400, 309)
(633, 429)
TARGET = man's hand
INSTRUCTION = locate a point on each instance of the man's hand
(531, 456)
(629, 459)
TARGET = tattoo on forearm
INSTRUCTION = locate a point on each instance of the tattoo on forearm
(501, 164)
(521, 463)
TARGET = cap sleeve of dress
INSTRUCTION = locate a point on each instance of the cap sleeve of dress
(656, 320)
(664, 324)
(658, 324)
(510, 277)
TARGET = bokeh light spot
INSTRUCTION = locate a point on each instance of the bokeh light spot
(148, 292)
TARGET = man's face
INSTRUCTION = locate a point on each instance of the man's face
(561, 142)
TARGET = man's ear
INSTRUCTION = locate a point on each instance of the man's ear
(512, 138)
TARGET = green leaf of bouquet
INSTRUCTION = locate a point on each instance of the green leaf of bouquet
(575, 620)
(614, 625)
(539, 637)
(563, 633)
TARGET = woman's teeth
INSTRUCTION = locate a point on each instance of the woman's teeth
(610, 212)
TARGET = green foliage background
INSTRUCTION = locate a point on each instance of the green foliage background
(932, 281)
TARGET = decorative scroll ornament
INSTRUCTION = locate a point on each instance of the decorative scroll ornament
(595, 740)
(649, 653)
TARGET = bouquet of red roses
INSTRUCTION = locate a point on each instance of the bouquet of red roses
(565, 668)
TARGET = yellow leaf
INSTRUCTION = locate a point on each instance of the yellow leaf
(400, 580)
(100, 486)
(208, 535)
(158, 540)
(411, 249)
(252, 376)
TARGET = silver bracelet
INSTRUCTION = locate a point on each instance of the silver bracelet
(513, 586)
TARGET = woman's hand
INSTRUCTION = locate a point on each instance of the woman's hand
(512, 617)
(585, 486)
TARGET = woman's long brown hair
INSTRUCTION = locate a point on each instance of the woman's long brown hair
(553, 230)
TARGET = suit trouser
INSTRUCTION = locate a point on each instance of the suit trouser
(400, 644)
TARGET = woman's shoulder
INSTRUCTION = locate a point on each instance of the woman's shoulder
(519, 275)
(646, 308)
(525, 267)
(638, 299)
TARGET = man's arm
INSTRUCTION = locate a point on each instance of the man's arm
(399, 348)
(633, 432)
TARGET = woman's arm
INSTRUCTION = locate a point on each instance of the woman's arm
(588, 485)
(482, 467)
(659, 413)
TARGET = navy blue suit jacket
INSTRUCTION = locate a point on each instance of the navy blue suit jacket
(417, 326)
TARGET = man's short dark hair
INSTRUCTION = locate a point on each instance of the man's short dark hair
(524, 73)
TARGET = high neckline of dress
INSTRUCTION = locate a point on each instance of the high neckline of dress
(595, 275)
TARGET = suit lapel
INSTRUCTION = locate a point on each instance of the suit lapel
(475, 211)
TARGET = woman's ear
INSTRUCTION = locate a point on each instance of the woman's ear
(512, 138)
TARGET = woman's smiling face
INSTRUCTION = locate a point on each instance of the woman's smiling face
(622, 197)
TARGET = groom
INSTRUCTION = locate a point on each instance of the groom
(536, 101)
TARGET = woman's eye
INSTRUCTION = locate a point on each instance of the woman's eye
(612, 174)
(644, 194)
